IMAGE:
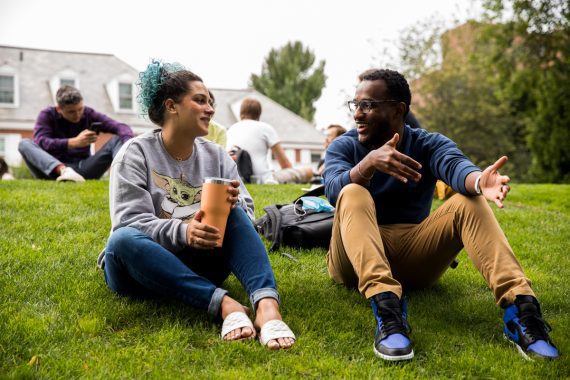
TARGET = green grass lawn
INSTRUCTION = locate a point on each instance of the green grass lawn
(59, 320)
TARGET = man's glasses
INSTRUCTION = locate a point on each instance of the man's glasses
(367, 105)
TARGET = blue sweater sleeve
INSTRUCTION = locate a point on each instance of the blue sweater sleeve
(339, 162)
(448, 163)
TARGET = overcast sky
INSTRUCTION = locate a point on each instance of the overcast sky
(225, 41)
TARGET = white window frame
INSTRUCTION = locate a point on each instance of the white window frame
(316, 154)
(68, 79)
(2, 146)
(132, 107)
(113, 92)
(10, 72)
(55, 81)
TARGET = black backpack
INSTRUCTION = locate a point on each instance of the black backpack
(243, 162)
(290, 225)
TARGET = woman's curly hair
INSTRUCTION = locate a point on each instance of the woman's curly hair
(159, 82)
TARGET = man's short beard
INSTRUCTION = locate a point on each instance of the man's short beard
(373, 140)
(366, 141)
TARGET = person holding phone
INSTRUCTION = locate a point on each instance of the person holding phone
(63, 134)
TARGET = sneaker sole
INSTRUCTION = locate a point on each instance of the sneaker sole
(530, 358)
(393, 358)
(519, 349)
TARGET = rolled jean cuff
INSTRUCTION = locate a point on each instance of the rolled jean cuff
(216, 301)
(259, 294)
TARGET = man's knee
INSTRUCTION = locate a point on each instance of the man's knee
(293, 175)
(468, 202)
(354, 196)
(306, 173)
(115, 140)
(470, 205)
(24, 146)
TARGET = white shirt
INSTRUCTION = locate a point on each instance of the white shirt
(257, 138)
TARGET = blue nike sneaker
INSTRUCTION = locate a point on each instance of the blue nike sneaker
(525, 328)
(391, 341)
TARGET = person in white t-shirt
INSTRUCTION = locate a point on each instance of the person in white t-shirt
(258, 138)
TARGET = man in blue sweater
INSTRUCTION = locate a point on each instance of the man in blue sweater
(381, 176)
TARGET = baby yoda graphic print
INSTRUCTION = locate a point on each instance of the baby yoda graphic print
(181, 201)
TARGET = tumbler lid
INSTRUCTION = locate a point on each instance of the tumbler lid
(218, 181)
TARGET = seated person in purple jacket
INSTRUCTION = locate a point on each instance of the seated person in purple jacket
(381, 177)
(62, 137)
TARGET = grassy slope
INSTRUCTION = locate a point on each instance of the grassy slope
(55, 305)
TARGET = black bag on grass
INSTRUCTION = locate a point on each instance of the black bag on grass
(243, 163)
(290, 225)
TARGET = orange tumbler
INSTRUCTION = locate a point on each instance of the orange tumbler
(215, 204)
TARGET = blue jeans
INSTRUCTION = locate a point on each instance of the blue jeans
(42, 164)
(137, 266)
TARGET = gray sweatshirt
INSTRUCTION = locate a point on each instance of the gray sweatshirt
(154, 193)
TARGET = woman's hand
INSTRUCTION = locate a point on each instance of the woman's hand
(233, 190)
(200, 235)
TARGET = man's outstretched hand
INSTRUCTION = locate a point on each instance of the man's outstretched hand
(494, 186)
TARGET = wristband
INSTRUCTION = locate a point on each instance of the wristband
(477, 186)
(362, 175)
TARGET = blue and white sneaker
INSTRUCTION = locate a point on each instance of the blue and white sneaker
(525, 328)
(391, 341)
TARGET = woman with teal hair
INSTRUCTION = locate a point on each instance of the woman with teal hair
(159, 246)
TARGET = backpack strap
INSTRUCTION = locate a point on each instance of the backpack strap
(275, 216)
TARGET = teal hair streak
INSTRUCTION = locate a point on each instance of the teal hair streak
(151, 79)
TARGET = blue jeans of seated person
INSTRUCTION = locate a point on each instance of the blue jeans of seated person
(42, 164)
(137, 266)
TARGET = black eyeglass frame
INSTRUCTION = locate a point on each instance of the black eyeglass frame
(367, 105)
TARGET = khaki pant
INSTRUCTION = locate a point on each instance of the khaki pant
(383, 258)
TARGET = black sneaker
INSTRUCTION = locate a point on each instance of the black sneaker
(391, 341)
(525, 328)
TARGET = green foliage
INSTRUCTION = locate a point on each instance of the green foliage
(59, 320)
(457, 95)
(531, 56)
(420, 48)
(499, 87)
(289, 77)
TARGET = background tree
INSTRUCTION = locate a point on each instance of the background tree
(501, 86)
(532, 59)
(454, 94)
(289, 77)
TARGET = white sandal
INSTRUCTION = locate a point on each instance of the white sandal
(237, 320)
(273, 330)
